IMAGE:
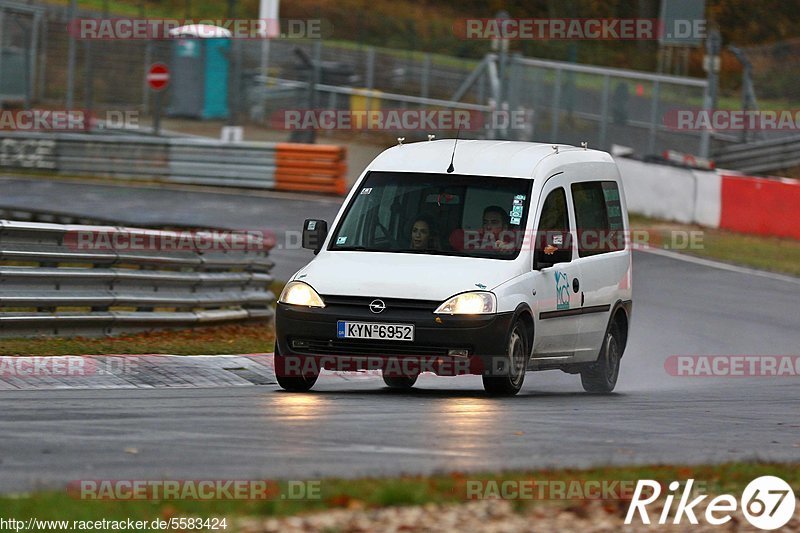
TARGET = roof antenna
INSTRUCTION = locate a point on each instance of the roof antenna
(451, 168)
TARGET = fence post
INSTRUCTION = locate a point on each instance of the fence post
(88, 76)
(426, 75)
(71, 59)
(370, 76)
(148, 58)
(32, 52)
(42, 59)
(604, 111)
(555, 108)
(651, 143)
(2, 24)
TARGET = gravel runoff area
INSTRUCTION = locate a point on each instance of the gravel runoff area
(497, 516)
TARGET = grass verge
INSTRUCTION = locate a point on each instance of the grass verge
(229, 339)
(772, 254)
(373, 493)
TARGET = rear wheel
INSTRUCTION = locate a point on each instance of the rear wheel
(510, 382)
(400, 382)
(293, 383)
(601, 376)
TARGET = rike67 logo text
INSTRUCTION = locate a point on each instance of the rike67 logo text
(768, 503)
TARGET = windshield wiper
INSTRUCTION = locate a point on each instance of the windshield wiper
(354, 249)
(419, 251)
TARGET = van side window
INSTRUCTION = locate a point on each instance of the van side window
(553, 242)
(598, 216)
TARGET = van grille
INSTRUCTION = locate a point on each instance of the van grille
(340, 347)
(393, 304)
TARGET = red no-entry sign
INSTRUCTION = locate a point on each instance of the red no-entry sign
(158, 76)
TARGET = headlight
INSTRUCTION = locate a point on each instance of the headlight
(469, 303)
(299, 293)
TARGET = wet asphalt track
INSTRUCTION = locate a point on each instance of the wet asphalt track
(356, 427)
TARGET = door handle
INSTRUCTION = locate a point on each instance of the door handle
(583, 298)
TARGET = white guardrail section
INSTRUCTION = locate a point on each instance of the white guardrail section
(49, 285)
(761, 156)
(191, 160)
(180, 160)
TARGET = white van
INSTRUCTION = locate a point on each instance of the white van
(483, 257)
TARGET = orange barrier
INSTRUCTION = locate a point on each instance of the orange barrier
(311, 168)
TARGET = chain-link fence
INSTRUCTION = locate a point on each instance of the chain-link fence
(560, 101)
(603, 106)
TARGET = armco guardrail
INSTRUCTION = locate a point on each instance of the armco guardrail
(52, 283)
(761, 156)
(278, 166)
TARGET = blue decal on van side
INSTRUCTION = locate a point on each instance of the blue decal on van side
(562, 290)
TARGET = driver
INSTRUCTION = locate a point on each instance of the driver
(423, 234)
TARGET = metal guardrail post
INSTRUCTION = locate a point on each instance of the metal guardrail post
(705, 134)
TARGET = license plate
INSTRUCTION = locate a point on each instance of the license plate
(368, 330)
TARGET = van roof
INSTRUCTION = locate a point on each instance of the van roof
(473, 157)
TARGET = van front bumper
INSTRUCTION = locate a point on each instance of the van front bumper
(443, 344)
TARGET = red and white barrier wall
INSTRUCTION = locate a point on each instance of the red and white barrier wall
(717, 199)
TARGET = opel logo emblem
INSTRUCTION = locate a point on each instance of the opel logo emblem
(377, 306)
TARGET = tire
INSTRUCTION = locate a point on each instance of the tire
(601, 376)
(400, 382)
(517, 356)
(292, 383)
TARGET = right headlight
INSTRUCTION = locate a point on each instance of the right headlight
(299, 293)
(469, 303)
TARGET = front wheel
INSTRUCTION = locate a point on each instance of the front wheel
(601, 376)
(286, 377)
(515, 363)
(400, 382)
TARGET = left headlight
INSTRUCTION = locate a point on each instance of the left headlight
(299, 293)
(469, 303)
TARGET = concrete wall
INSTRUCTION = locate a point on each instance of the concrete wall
(672, 193)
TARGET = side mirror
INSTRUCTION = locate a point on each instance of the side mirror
(314, 233)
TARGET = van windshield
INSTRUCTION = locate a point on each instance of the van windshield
(438, 214)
